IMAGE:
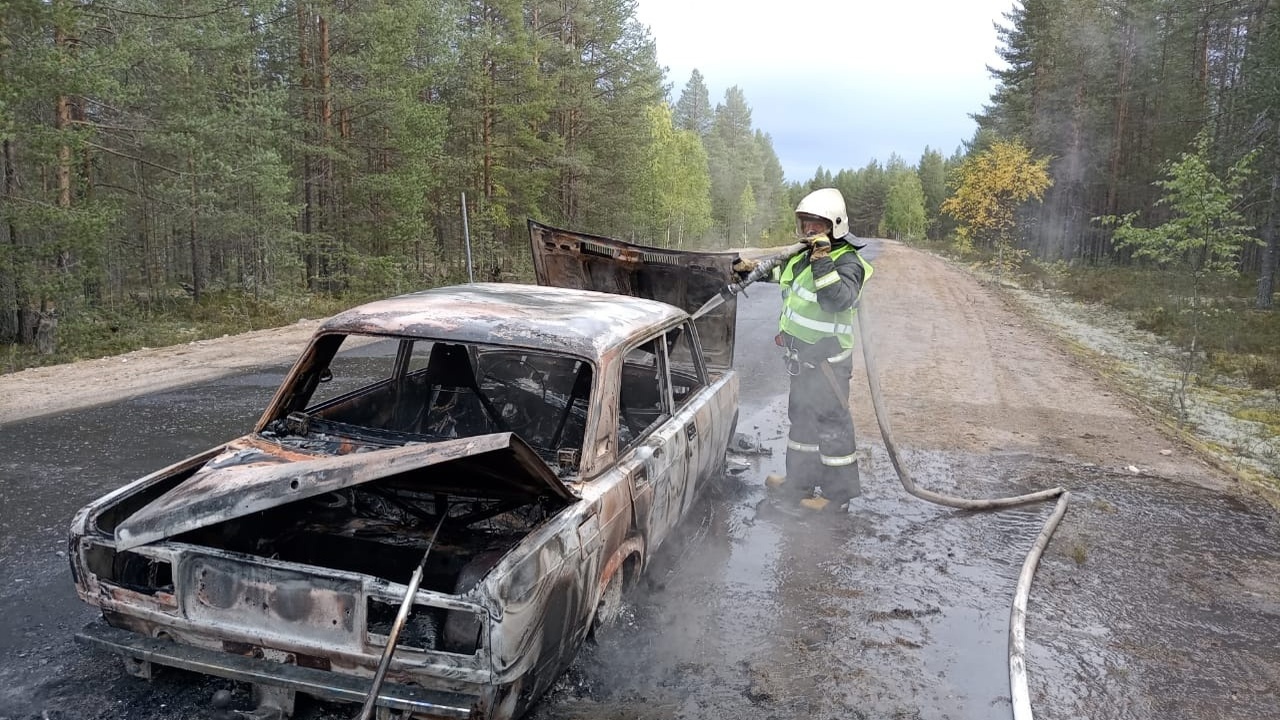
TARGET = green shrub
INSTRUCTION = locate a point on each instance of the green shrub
(1238, 339)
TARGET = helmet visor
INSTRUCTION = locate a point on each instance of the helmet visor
(812, 224)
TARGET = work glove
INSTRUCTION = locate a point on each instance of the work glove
(744, 266)
(819, 247)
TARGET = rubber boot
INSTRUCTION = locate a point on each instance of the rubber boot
(816, 501)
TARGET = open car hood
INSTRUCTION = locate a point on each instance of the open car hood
(245, 478)
(683, 278)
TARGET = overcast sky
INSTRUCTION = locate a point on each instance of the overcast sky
(838, 83)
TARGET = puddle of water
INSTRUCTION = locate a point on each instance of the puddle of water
(1154, 598)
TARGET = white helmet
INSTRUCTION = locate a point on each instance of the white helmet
(827, 204)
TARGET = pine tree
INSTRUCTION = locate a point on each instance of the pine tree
(865, 191)
(734, 160)
(53, 222)
(693, 110)
(775, 218)
(1260, 105)
(623, 79)
(933, 184)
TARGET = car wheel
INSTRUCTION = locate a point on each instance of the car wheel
(609, 609)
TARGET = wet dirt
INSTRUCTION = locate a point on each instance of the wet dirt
(1157, 597)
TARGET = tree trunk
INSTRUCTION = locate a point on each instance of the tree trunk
(62, 122)
(9, 278)
(325, 199)
(1122, 116)
(311, 255)
(1271, 236)
(46, 335)
(44, 323)
(11, 301)
(196, 280)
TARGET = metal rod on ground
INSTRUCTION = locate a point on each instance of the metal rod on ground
(466, 236)
(406, 605)
(1021, 698)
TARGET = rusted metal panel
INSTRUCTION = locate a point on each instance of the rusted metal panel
(587, 324)
(221, 592)
(241, 482)
(684, 278)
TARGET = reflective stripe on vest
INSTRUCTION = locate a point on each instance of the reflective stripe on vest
(826, 328)
(803, 294)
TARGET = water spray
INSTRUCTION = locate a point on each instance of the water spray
(759, 272)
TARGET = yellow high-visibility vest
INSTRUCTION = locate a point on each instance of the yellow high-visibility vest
(802, 316)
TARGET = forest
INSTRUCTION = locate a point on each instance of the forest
(211, 164)
(249, 153)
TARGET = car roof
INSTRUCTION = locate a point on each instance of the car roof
(579, 322)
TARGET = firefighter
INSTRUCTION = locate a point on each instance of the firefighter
(820, 289)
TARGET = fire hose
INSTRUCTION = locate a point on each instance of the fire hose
(1021, 699)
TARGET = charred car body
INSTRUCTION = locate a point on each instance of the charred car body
(561, 432)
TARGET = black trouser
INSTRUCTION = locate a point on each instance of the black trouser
(820, 443)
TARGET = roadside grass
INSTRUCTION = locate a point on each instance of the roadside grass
(93, 332)
(1235, 340)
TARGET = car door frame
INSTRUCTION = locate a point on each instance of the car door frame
(656, 465)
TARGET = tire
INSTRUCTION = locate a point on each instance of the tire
(609, 609)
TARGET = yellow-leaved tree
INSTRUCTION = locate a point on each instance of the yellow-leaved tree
(990, 186)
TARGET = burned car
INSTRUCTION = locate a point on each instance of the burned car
(543, 440)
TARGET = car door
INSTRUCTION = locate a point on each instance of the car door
(692, 406)
(655, 448)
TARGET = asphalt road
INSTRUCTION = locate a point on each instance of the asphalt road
(52, 466)
(1156, 599)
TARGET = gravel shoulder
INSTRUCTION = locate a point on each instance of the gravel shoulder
(35, 392)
